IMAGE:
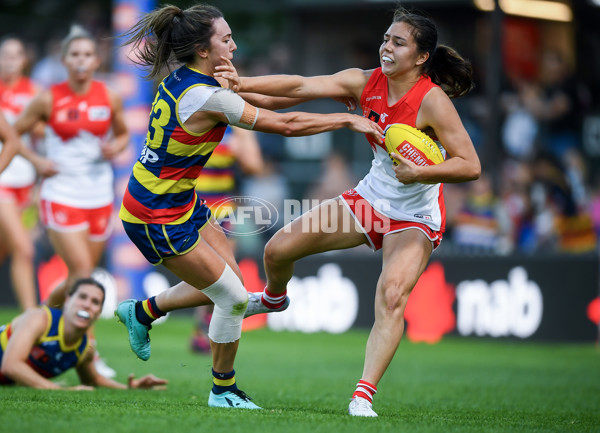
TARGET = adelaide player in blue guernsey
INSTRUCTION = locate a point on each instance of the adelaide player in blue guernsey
(161, 212)
(44, 342)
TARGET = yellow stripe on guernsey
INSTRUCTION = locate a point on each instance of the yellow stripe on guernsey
(4, 338)
(224, 382)
(221, 160)
(207, 183)
(61, 339)
(49, 325)
(180, 149)
(158, 185)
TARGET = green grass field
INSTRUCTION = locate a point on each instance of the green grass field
(304, 382)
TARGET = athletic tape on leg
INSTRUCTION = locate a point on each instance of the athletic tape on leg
(231, 300)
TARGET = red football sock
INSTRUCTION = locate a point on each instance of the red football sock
(365, 390)
(273, 300)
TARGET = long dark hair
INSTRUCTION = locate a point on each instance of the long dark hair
(170, 33)
(80, 282)
(445, 66)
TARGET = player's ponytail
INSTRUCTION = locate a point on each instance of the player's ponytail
(450, 71)
(170, 34)
(444, 66)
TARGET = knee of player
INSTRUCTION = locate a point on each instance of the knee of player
(24, 251)
(229, 294)
(275, 251)
(395, 295)
(239, 301)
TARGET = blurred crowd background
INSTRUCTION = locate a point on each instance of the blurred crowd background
(534, 115)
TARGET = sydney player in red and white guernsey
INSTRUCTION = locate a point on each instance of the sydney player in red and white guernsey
(397, 208)
(85, 130)
(18, 179)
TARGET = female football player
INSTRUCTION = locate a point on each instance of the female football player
(10, 143)
(85, 130)
(161, 212)
(17, 181)
(413, 85)
(44, 342)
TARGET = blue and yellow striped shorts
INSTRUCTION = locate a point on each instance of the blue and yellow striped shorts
(160, 241)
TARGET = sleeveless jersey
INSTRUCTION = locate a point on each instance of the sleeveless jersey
(50, 356)
(13, 99)
(217, 180)
(415, 202)
(78, 127)
(161, 189)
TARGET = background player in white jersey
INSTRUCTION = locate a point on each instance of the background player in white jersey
(9, 137)
(405, 201)
(85, 130)
(17, 181)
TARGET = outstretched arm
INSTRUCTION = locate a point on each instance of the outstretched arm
(11, 143)
(88, 375)
(347, 83)
(37, 111)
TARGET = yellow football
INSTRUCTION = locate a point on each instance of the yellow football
(412, 144)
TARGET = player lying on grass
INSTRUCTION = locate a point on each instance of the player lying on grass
(44, 342)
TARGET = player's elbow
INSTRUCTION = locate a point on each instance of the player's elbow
(474, 171)
(289, 127)
(8, 369)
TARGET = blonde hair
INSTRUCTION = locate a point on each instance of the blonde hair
(76, 32)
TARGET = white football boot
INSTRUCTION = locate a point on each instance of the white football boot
(255, 305)
(361, 407)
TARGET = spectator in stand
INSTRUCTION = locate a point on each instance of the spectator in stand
(336, 178)
(18, 180)
(558, 102)
(570, 226)
(50, 69)
(482, 225)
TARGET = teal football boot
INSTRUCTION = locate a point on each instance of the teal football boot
(139, 340)
(236, 399)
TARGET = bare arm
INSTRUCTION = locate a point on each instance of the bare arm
(120, 138)
(272, 102)
(26, 330)
(347, 83)
(462, 163)
(291, 124)
(11, 143)
(246, 149)
(88, 375)
(37, 111)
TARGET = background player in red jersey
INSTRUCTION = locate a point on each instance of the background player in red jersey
(412, 86)
(85, 130)
(17, 181)
(10, 141)
(43, 343)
